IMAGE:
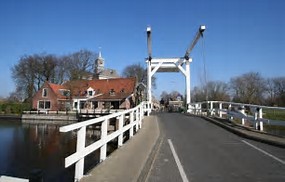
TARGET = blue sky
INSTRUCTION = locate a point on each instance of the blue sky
(241, 35)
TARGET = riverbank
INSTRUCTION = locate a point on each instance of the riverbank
(10, 117)
(40, 119)
(48, 119)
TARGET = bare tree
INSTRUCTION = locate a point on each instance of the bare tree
(271, 93)
(218, 90)
(213, 90)
(25, 75)
(248, 88)
(275, 88)
(80, 63)
(198, 94)
(48, 64)
(32, 71)
(138, 71)
(62, 70)
(170, 96)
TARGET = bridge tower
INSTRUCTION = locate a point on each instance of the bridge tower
(177, 64)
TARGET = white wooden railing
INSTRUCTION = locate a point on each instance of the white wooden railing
(234, 110)
(134, 115)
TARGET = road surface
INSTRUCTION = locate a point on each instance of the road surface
(195, 150)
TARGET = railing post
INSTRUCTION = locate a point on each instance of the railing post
(137, 118)
(149, 107)
(220, 109)
(121, 124)
(260, 114)
(229, 110)
(255, 119)
(260, 117)
(104, 132)
(243, 112)
(79, 166)
(141, 117)
(131, 122)
(211, 108)
(261, 125)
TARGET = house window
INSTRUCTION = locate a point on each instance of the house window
(82, 104)
(95, 104)
(115, 105)
(112, 92)
(90, 93)
(64, 92)
(107, 105)
(44, 104)
(45, 92)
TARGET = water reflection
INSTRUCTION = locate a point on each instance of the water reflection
(28, 147)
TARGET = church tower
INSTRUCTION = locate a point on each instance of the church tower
(101, 72)
(99, 64)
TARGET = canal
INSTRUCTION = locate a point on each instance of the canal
(39, 150)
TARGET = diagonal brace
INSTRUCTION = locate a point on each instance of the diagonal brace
(155, 69)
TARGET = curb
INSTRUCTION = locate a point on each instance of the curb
(150, 160)
(242, 134)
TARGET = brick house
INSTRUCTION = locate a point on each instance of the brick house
(116, 93)
(51, 97)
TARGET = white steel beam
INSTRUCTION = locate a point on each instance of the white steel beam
(155, 68)
(165, 60)
(188, 94)
(149, 81)
(182, 69)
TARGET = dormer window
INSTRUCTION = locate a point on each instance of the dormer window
(90, 92)
(112, 92)
(64, 92)
(44, 92)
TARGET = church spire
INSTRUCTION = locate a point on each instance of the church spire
(100, 54)
(99, 63)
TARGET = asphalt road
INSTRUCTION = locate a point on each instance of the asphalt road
(195, 150)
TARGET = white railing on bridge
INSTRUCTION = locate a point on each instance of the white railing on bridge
(134, 117)
(234, 110)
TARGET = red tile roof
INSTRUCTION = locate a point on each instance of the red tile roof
(122, 87)
(56, 89)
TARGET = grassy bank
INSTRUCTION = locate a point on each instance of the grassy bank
(13, 108)
(274, 114)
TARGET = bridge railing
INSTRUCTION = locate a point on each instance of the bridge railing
(134, 117)
(243, 112)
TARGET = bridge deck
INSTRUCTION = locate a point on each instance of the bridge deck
(207, 152)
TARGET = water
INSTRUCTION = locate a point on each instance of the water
(26, 148)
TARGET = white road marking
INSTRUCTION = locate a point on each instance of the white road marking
(264, 152)
(179, 165)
